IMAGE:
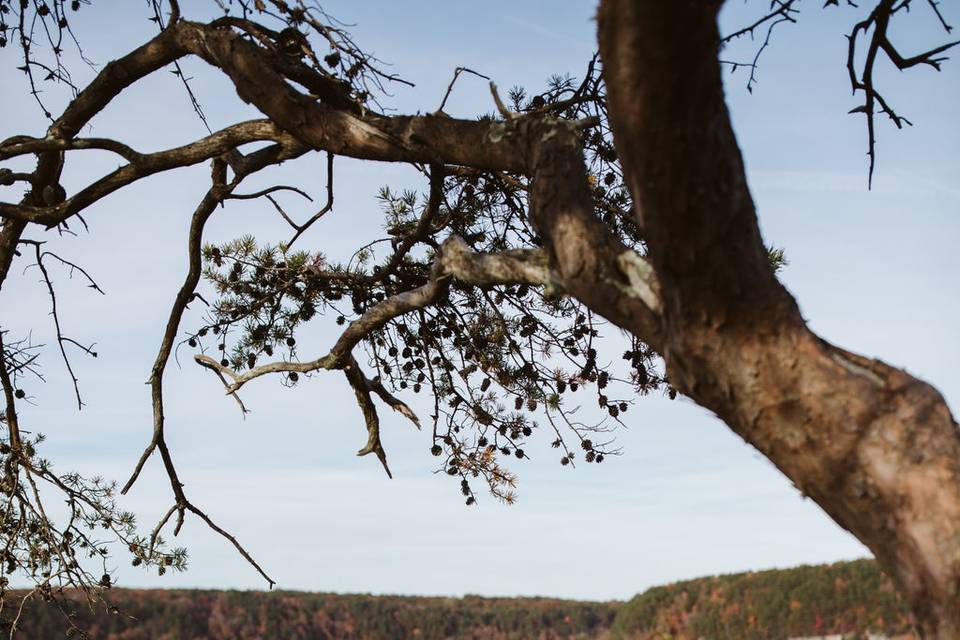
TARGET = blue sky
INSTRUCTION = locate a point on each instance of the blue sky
(874, 271)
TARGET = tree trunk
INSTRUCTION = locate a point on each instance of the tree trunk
(877, 449)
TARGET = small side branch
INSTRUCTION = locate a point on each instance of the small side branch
(236, 544)
(210, 363)
(358, 382)
(322, 212)
(453, 81)
(195, 238)
(863, 79)
(62, 340)
(781, 11)
(214, 196)
(376, 386)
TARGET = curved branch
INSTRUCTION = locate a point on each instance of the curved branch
(486, 145)
(219, 190)
(22, 145)
(194, 242)
(146, 165)
(214, 196)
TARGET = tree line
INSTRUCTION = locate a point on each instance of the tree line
(843, 598)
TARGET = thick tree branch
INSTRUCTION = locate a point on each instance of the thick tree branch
(592, 264)
(876, 448)
(426, 139)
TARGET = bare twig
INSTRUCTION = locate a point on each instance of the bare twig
(453, 81)
(863, 79)
(61, 339)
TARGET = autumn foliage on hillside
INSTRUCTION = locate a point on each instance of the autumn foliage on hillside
(849, 598)
(141, 614)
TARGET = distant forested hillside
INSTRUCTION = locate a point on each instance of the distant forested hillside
(244, 615)
(843, 598)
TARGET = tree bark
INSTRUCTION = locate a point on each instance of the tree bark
(877, 449)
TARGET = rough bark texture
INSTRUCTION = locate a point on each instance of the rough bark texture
(875, 447)
(588, 257)
(395, 139)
